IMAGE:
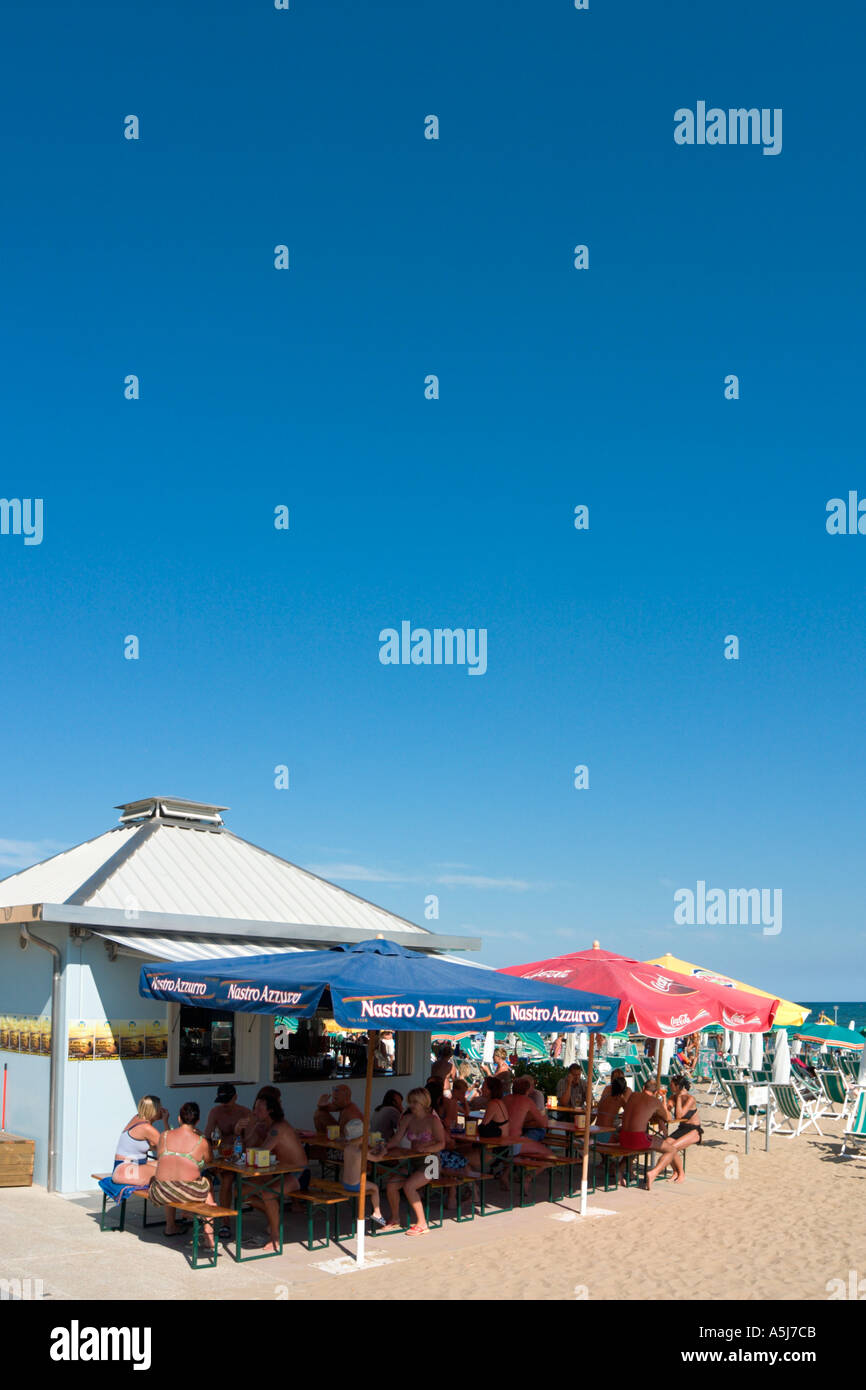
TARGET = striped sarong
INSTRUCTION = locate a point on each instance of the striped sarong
(167, 1192)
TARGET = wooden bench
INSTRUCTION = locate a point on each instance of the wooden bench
(616, 1151)
(327, 1197)
(452, 1181)
(121, 1225)
(199, 1211)
(203, 1211)
(609, 1151)
(533, 1165)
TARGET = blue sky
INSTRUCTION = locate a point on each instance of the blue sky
(558, 387)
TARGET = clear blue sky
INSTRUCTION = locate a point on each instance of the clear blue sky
(558, 387)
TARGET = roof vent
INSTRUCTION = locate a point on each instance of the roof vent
(172, 810)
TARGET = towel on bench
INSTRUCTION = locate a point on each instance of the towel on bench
(118, 1192)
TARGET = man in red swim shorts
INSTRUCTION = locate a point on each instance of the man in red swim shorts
(641, 1109)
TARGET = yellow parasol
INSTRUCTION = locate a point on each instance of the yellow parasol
(788, 1015)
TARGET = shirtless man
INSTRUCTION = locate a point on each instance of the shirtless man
(336, 1108)
(526, 1120)
(641, 1109)
(281, 1140)
(251, 1129)
(444, 1067)
(225, 1115)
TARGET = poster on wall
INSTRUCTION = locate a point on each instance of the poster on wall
(116, 1039)
(27, 1033)
(81, 1040)
(156, 1038)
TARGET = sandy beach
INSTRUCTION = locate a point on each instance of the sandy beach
(777, 1225)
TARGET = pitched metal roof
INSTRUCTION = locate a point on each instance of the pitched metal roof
(176, 867)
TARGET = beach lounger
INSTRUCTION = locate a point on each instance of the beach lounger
(855, 1130)
(737, 1102)
(792, 1106)
(833, 1092)
(724, 1075)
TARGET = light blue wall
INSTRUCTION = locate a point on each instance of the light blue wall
(25, 988)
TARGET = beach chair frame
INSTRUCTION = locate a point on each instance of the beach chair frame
(855, 1130)
(833, 1092)
(791, 1105)
(736, 1092)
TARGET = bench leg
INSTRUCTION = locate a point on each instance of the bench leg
(102, 1217)
(461, 1188)
(351, 1208)
(213, 1256)
(121, 1225)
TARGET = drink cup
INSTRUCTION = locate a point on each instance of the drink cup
(333, 1131)
(552, 1100)
(471, 1128)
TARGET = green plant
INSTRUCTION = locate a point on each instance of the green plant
(546, 1075)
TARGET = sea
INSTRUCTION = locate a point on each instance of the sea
(843, 1011)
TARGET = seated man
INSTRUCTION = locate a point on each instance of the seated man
(571, 1089)
(641, 1109)
(252, 1130)
(281, 1140)
(338, 1108)
(526, 1120)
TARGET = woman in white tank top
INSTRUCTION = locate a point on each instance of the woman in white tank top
(132, 1164)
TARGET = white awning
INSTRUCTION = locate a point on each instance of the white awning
(152, 947)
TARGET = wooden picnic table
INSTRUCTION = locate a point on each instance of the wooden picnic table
(244, 1172)
(499, 1141)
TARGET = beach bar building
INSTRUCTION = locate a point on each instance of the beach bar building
(170, 882)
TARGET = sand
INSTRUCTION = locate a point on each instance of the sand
(777, 1225)
(759, 1226)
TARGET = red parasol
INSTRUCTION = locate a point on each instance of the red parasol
(663, 1003)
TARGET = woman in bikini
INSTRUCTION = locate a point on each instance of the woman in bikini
(688, 1131)
(420, 1129)
(132, 1164)
(181, 1155)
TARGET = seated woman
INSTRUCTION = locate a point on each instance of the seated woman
(458, 1162)
(387, 1116)
(610, 1107)
(181, 1155)
(473, 1084)
(422, 1127)
(132, 1164)
(688, 1131)
(500, 1068)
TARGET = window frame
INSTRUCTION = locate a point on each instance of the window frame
(246, 1053)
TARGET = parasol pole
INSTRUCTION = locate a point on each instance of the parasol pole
(584, 1172)
(372, 1040)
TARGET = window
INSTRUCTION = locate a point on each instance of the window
(207, 1045)
(315, 1049)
